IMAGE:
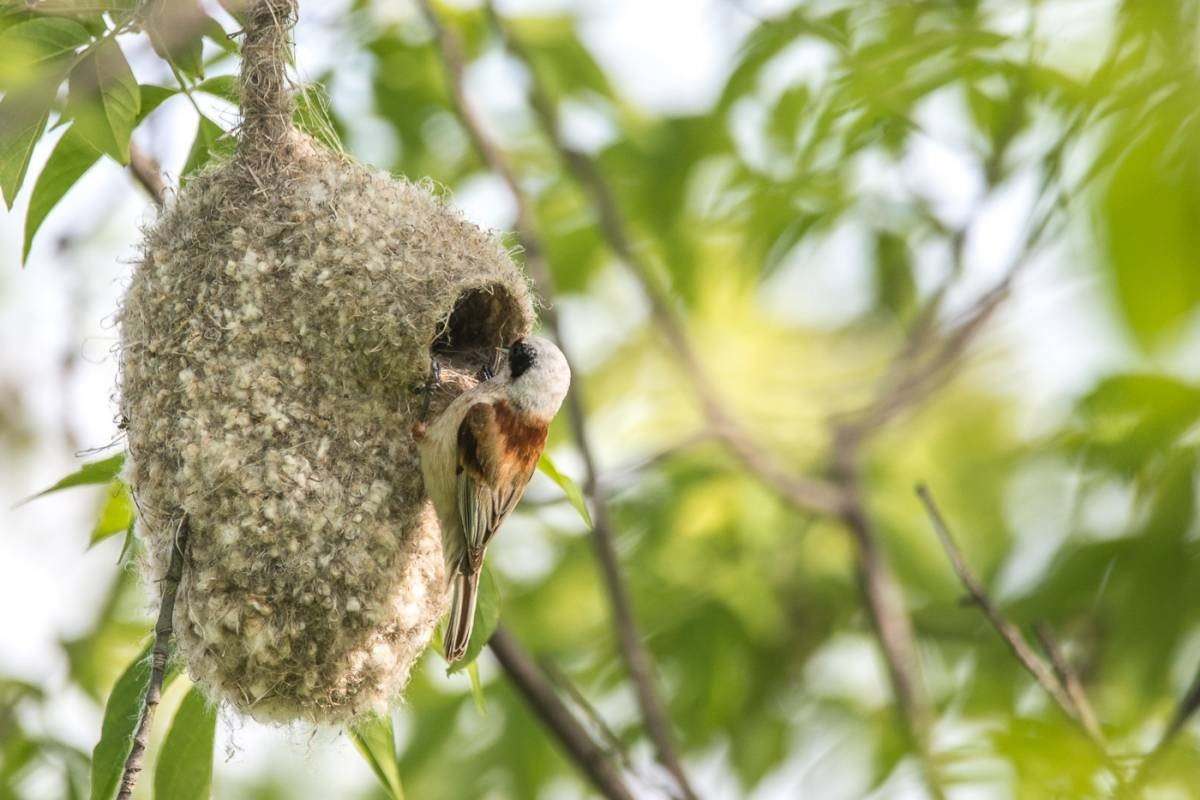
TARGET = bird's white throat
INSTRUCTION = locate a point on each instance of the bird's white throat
(540, 391)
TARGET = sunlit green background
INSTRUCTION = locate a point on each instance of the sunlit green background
(813, 181)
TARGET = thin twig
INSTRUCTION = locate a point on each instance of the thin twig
(162, 651)
(1010, 633)
(917, 373)
(633, 650)
(615, 745)
(1069, 678)
(885, 606)
(591, 759)
(930, 356)
(146, 171)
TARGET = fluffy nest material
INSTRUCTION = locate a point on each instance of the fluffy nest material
(275, 338)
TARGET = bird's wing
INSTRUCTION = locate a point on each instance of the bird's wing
(494, 467)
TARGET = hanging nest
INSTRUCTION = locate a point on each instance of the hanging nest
(275, 339)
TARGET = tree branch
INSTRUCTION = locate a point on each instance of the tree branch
(564, 684)
(162, 651)
(1069, 680)
(930, 357)
(885, 606)
(591, 759)
(633, 651)
(147, 173)
(1010, 633)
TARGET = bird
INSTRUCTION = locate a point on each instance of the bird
(477, 458)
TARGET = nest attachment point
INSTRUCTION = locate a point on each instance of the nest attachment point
(275, 337)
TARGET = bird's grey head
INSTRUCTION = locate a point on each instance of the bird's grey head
(539, 376)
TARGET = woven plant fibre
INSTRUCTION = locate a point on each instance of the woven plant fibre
(275, 338)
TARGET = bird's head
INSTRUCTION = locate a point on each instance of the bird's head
(538, 376)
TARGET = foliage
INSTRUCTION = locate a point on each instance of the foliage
(184, 767)
(751, 611)
(121, 715)
(376, 741)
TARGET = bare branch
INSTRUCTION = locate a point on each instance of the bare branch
(633, 651)
(930, 357)
(884, 602)
(162, 651)
(1010, 633)
(1069, 679)
(146, 171)
(564, 684)
(591, 759)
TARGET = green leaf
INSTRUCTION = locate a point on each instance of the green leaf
(23, 117)
(487, 616)
(1150, 211)
(90, 473)
(152, 97)
(210, 141)
(185, 763)
(71, 158)
(569, 487)
(477, 687)
(235, 9)
(29, 50)
(790, 112)
(129, 546)
(374, 739)
(217, 35)
(84, 8)
(559, 57)
(121, 715)
(895, 284)
(104, 100)
(1129, 420)
(176, 30)
(222, 86)
(98, 656)
(117, 513)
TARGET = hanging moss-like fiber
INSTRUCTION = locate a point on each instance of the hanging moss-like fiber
(275, 334)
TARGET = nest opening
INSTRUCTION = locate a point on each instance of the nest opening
(483, 320)
(483, 317)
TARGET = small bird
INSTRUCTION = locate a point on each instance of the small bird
(478, 456)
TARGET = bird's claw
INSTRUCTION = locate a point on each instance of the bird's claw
(489, 370)
(435, 377)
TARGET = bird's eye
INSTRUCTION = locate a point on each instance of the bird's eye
(520, 358)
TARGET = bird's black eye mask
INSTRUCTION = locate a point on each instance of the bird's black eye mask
(520, 358)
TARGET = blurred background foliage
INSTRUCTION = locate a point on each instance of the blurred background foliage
(864, 170)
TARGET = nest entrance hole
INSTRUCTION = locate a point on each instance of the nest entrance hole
(483, 320)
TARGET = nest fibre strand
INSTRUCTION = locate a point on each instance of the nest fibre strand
(283, 310)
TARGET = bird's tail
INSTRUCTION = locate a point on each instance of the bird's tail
(462, 614)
